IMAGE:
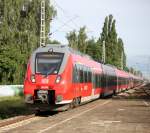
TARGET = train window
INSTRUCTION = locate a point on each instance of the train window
(99, 80)
(89, 76)
(81, 76)
(115, 80)
(78, 74)
(108, 80)
(88, 69)
(97, 84)
(119, 81)
(85, 76)
(94, 80)
(48, 63)
(103, 80)
(75, 75)
(112, 82)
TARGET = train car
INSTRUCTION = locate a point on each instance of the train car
(131, 77)
(56, 75)
(123, 80)
(109, 80)
(86, 77)
(137, 80)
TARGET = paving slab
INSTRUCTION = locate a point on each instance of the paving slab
(126, 114)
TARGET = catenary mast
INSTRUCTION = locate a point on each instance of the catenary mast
(42, 31)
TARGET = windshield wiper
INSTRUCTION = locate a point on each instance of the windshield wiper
(49, 72)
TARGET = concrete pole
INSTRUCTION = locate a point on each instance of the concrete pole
(122, 60)
(104, 53)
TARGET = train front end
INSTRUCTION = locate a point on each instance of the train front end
(45, 81)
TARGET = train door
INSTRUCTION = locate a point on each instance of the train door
(76, 81)
(107, 87)
(93, 85)
(104, 84)
(117, 85)
(76, 86)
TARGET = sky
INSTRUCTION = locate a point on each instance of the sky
(132, 21)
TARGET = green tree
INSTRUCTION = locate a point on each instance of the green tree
(82, 39)
(113, 45)
(19, 36)
(93, 49)
(72, 38)
(104, 34)
(78, 41)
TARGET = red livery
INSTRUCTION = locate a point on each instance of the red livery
(57, 75)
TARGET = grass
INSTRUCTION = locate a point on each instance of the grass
(13, 106)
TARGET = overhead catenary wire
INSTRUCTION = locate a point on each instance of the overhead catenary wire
(64, 24)
(67, 24)
(65, 12)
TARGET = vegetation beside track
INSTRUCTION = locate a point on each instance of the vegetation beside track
(13, 106)
(19, 37)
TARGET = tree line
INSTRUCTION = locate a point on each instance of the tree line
(20, 35)
(114, 46)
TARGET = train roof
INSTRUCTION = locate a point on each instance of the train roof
(51, 48)
(109, 70)
(77, 57)
(121, 73)
(61, 48)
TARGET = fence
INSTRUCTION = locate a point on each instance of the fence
(11, 90)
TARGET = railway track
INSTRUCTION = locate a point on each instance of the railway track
(23, 120)
(18, 121)
(15, 120)
(146, 89)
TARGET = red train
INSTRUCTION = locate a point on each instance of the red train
(57, 75)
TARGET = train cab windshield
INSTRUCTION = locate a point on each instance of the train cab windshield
(48, 63)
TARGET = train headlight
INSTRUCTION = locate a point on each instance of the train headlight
(33, 79)
(58, 79)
